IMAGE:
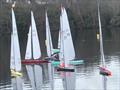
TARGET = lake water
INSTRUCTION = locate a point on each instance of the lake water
(86, 76)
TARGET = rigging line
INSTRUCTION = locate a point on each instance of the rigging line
(13, 50)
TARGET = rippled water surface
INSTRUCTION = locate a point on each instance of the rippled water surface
(86, 76)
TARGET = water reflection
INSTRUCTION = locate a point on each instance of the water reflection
(17, 83)
(35, 76)
(104, 82)
(87, 75)
(69, 81)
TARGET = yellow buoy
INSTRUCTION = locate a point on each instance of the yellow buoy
(98, 36)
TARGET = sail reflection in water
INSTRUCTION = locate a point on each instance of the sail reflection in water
(86, 77)
(36, 81)
(17, 83)
(69, 81)
(65, 81)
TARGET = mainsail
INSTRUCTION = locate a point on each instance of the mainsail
(15, 59)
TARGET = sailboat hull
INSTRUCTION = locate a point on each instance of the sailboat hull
(66, 69)
(104, 71)
(34, 61)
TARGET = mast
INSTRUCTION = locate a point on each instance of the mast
(101, 38)
(101, 47)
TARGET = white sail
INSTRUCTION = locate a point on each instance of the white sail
(59, 33)
(12, 61)
(33, 52)
(49, 45)
(35, 40)
(60, 40)
(101, 39)
(15, 49)
(28, 54)
(68, 50)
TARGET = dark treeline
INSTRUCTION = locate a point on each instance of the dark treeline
(82, 13)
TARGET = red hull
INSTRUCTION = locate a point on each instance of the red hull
(34, 61)
(104, 71)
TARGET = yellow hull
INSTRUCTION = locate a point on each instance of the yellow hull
(15, 73)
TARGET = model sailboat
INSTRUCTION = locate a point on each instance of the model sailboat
(67, 53)
(103, 69)
(65, 43)
(33, 52)
(15, 57)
